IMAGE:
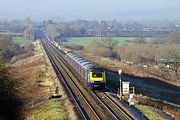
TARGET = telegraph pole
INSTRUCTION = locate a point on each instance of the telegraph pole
(120, 86)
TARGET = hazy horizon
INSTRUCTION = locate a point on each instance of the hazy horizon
(90, 9)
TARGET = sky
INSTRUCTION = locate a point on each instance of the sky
(86, 9)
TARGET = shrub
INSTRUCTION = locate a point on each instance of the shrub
(74, 47)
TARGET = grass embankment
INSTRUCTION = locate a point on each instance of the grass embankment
(39, 79)
(21, 41)
(46, 78)
(85, 41)
(50, 110)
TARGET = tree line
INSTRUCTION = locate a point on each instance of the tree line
(82, 28)
(16, 26)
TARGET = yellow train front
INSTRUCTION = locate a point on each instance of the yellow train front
(97, 79)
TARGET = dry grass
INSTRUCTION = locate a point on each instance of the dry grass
(39, 78)
(50, 110)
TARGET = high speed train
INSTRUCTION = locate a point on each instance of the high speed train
(93, 75)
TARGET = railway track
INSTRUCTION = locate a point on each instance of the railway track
(82, 105)
(116, 107)
(113, 109)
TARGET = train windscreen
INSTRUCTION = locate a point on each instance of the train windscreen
(97, 74)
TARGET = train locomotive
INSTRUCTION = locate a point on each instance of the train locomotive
(94, 76)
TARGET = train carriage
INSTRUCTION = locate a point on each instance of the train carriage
(94, 76)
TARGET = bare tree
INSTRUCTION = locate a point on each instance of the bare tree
(172, 58)
(140, 40)
(109, 43)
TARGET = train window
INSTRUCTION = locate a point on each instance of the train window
(96, 74)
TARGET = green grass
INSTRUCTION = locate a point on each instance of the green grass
(50, 110)
(85, 41)
(21, 41)
(150, 112)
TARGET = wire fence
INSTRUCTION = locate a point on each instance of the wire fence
(37, 101)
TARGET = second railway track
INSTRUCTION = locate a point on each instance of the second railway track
(116, 107)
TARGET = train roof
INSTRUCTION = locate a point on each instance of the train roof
(78, 59)
(83, 62)
(88, 66)
(70, 54)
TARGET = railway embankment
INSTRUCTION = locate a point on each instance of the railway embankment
(39, 86)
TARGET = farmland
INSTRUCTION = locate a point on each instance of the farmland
(21, 41)
(85, 41)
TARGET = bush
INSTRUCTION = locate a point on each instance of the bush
(99, 50)
(74, 47)
(26, 51)
(112, 55)
(60, 39)
(10, 103)
(8, 47)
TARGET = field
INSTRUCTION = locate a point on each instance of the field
(85, 41)
(21, 41)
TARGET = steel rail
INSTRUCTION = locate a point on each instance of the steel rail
(76, 87)
(83, 115)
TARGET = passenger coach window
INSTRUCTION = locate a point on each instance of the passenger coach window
(97, 74)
